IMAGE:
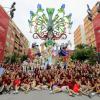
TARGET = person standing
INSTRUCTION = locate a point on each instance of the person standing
(2, 70)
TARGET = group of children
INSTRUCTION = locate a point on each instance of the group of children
(77, 79)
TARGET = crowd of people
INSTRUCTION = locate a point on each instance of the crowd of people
(77, 79)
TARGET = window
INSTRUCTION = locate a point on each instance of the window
(8, 36)
(12, 39)
(15, 48)
(7, 44)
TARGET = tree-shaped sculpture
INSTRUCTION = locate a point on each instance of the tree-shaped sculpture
(50, 27)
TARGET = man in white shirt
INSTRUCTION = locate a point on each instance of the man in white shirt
(24, 65)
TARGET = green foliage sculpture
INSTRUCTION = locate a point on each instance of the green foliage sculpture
(51, 27)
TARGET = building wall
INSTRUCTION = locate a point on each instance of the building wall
(96, 25)
(19, 41)
(83, 34)
(9, 41)
(89, 29)
(77, 36)
(12, 39)
(4, 20)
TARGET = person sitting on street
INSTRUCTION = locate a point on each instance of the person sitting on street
(16, 84)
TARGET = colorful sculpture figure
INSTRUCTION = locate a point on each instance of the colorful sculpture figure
(49, 27)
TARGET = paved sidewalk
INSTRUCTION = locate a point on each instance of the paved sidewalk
(43, 95)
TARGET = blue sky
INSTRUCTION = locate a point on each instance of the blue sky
(78, 9)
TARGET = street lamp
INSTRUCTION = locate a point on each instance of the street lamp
(90, 14)
(89, 11)
(12, 9)
(98, 6)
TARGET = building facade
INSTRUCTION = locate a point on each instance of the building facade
(89, 33)
(96, 25)
(13, 40)
(4, 22)
(89, 28)
(77, 36)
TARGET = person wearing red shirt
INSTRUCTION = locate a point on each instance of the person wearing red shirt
(7, 83)
(16, 84)
(76, 89)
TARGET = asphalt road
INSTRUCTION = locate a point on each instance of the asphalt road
(43, 95)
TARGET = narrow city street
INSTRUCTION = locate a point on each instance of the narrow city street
(44, 95)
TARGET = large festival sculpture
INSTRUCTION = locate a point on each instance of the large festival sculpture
(52, 27)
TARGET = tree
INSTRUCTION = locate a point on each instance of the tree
(23, 58)
(14, 58)
(84, 52)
